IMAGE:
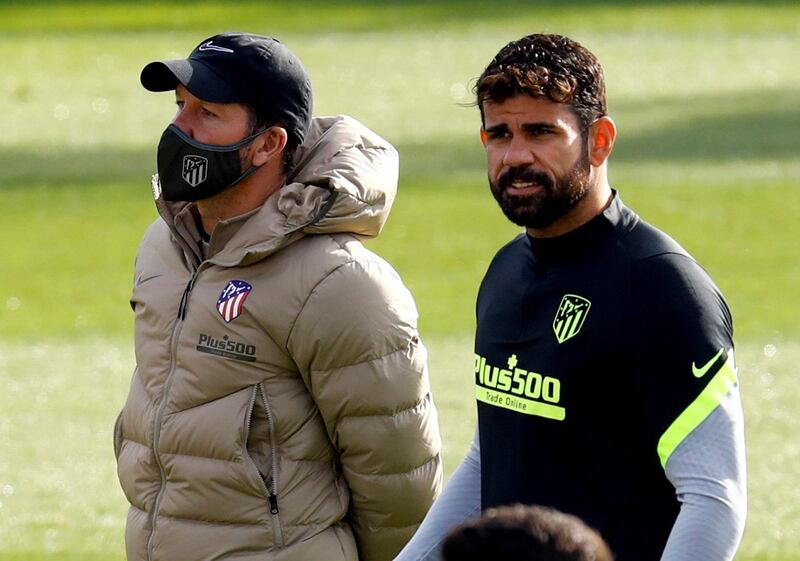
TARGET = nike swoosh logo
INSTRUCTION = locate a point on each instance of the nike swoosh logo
(141, 280)
(210, 46)
(700, 372)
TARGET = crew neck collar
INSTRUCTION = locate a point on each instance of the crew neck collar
(579, 240)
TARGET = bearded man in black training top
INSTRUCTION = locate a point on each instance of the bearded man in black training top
(604, 365)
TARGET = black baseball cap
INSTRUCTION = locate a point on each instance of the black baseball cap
(241, 68)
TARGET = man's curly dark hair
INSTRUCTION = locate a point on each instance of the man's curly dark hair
(551, 66)
(525, 533)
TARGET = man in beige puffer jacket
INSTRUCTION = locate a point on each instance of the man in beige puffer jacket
(280, 409)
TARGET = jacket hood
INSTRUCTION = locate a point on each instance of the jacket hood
(344, 181)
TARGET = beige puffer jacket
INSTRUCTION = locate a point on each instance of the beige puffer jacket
(292, 420)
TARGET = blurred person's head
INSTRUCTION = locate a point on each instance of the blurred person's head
(244, 105)
(524, 533)
(546, 132)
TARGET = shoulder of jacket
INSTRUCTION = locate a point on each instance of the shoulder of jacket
(324, 253)
(156, 232)
(340, 264)
(156, 238)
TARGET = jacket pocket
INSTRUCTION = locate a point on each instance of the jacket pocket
(257, 441)
(260, 449)
(118, 435)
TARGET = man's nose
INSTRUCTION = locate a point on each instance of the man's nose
(183, 122)
(518, 153)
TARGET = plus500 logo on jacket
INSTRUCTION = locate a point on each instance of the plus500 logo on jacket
(226, 347)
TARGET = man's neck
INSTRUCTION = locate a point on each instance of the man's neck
(595, 202)
(239, 199)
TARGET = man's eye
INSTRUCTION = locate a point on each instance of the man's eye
(208, 113)
(498, 135)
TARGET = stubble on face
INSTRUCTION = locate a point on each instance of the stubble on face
(551, 201)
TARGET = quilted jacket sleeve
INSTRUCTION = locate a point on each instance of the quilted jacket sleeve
(356, 344)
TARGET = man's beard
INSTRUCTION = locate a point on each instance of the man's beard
(552, 201)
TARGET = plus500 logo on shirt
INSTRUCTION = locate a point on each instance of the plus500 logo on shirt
(518, 389)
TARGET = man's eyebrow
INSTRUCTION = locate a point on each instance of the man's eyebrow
(498, 128)
(540, 127)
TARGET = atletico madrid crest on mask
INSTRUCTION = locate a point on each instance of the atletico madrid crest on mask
(231, 301)
(195, 170)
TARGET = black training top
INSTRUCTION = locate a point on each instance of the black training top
(596, 353)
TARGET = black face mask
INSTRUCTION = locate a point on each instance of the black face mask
(189, 170)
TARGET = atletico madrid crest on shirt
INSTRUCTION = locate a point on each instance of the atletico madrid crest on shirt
(231, 301)
(571, 314)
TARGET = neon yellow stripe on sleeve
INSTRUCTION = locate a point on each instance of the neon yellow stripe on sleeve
(720, 385)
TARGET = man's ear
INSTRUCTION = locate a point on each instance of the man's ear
(483, 136)
(269, 145)
(602, 134)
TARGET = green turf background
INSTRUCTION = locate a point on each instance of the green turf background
(706, 99)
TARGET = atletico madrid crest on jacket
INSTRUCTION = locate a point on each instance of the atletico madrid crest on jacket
(231, 301)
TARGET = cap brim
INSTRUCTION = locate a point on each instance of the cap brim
(199, 79)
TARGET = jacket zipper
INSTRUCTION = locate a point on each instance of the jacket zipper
(273, 491)
(185, 298)
(176, 331)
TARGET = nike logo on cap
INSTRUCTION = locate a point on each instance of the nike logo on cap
(210, 46)
(700, 372)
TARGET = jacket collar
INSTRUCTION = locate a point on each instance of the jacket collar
(344, 180)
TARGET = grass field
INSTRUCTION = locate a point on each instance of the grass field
(706, 98)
